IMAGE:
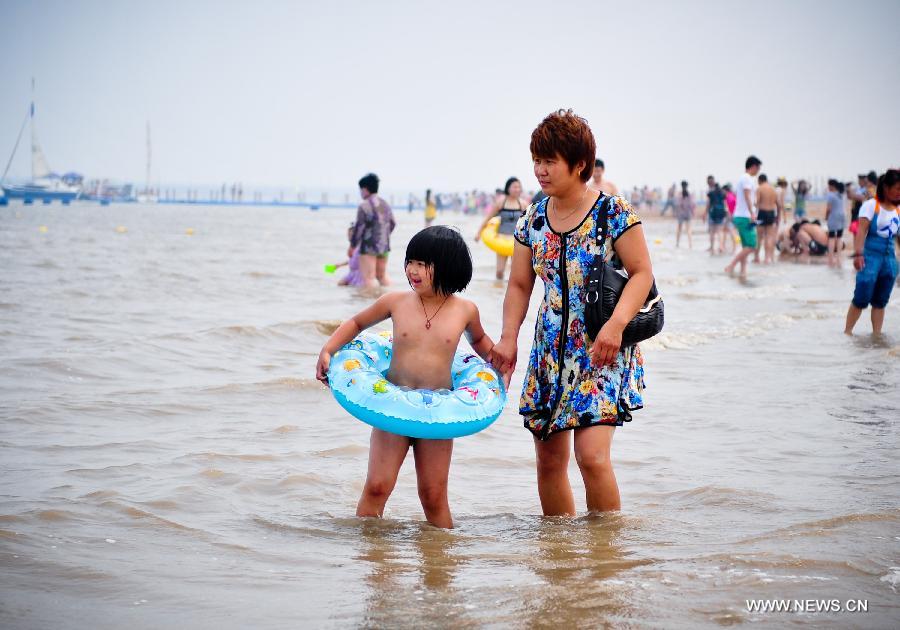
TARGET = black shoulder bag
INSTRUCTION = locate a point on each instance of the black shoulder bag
(604, 288)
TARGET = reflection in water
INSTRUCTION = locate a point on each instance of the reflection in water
(410, 578)
(578, 561)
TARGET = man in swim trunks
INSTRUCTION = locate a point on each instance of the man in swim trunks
(767, 219)
(745, 214)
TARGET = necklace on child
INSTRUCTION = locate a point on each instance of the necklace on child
(428, 319)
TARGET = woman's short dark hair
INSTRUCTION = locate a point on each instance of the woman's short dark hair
(445, 250)
(889, 178)
(509, 182)
(370, 183)
(752, 161)
(565, 134)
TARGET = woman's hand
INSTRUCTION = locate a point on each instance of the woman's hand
(503, 357)
(859, 262)
(607, 344)
(322, 367)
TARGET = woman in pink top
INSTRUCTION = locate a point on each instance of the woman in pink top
(728, 234)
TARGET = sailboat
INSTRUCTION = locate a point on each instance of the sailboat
(148, 195)
(45, 185)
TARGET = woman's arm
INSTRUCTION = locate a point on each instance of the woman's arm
(346, 332)
(515, 307)
(631, 248)
(493, 213)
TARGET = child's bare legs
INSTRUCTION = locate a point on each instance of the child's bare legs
(432, 470)
(553, 475)
(592, 446)
(386, 454)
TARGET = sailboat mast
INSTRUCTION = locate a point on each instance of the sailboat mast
(149, 155)
(33, 137)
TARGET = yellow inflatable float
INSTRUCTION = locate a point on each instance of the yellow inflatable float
(501, 243)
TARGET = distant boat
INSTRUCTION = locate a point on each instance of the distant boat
(45, 185)
(148, 195)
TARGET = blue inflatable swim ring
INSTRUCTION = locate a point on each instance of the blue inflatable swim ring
(357, 376)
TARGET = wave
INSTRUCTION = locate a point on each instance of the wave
(762, 323)
(285, 382)
(824, 527)
(716, 496)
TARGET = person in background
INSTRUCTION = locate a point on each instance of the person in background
(509, 207)
(874, 257)
(857, 194)
(745, 214)
(603, 185)
(729, 233)
(835, 219)
(715, 214)
(684, 212)
(372, 233)
(801, 192)
(767, 219)
(430, 208)
(781, 188)
(670, 200)
(354, 277)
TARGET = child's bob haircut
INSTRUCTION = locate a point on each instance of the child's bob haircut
(445, 250)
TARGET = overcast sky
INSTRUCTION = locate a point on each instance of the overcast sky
(445, 94)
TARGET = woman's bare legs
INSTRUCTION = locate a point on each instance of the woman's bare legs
(381, 270)
(553, 475)
(386, 454)
(501, 266)
(432, 471)
(592, 450)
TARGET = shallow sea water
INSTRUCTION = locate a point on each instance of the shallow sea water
(168, 459)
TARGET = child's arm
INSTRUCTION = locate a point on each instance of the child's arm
(346, 332)
(475, 334)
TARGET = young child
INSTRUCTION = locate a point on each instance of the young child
(428, 323)
(354, 277)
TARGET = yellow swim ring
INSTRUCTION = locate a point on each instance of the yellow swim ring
(500, 243)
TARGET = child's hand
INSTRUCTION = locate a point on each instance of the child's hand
(503, 357)
(322, 367)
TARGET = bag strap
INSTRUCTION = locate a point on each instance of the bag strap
(604, 226)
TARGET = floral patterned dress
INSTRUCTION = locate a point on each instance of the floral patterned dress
(562, 390)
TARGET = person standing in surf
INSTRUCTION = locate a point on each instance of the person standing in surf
(573, 384)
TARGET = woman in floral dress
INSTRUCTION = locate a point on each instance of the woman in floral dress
(572, 381)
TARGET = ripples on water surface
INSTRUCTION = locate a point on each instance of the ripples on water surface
(168, 459)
